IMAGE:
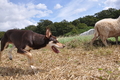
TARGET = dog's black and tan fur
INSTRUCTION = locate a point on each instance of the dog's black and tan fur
(25, 40)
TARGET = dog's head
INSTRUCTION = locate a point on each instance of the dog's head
(53, 42)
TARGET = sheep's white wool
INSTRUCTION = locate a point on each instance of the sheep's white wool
(106, 28)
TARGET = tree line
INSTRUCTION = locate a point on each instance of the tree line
(77, 26)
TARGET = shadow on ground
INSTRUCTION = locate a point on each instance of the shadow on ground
(98, 43)
(9, 71)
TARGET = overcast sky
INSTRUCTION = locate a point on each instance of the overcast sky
(21, 13)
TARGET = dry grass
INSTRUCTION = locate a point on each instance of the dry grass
(73, 63)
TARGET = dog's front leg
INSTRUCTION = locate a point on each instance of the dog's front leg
(10, 52)
(30, 60)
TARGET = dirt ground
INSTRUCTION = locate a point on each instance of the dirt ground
(71, 64)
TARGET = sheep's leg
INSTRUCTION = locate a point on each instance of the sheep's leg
(94, 38)
(116, 40)
(96, 35)
(104, 40)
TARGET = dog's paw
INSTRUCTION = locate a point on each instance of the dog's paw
(33, 67)
(10, 58)
(35, 70)
(119, 68)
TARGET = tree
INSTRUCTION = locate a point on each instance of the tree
(1, 34)
(75, 22)
(81, 26)
(73, 31)
(53, 29)
(74, 27)
(89, 20)
(41, 27)
(31, 27)
(110, 13)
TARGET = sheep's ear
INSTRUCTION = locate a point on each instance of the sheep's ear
(48, 32)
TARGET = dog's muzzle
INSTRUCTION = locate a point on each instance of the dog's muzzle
(55, 46)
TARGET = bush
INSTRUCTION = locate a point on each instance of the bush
(1, 34)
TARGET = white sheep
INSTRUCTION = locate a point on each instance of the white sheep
(106, 28)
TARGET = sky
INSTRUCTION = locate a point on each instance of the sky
(21, 13)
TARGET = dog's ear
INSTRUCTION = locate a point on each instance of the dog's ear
(48, 32)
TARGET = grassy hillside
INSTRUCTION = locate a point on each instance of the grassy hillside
(77, 61)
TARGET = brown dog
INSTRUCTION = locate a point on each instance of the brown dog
(26, 40)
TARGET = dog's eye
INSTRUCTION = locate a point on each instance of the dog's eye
(54, 41)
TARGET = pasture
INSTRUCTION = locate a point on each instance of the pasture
(77, 61)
